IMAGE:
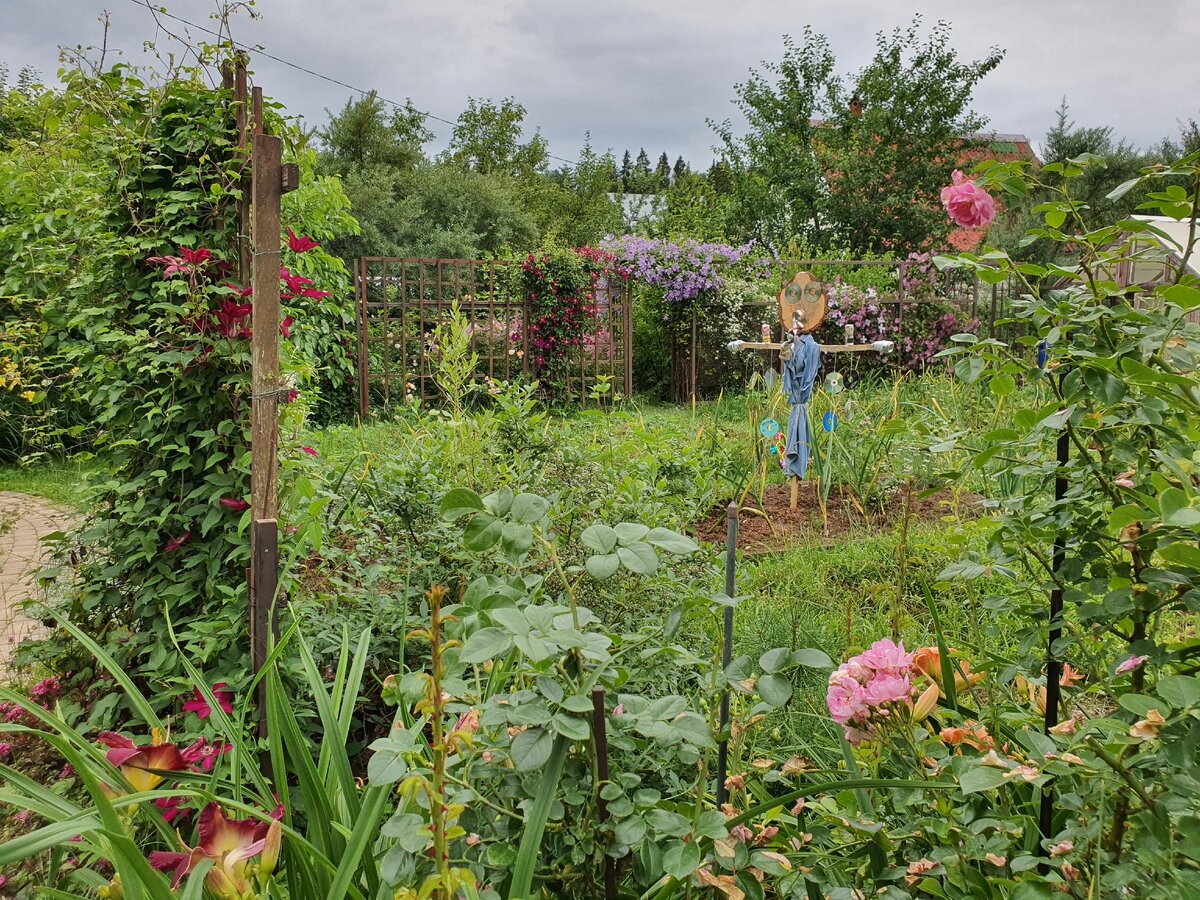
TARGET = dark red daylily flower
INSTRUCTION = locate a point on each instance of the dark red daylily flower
(142, 765)
(170, 808)
(234, 504)
(229, 843)
(200, 706)
(285, 327)
(176, 542)
(300, 244)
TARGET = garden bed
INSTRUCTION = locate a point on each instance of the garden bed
(775, 525)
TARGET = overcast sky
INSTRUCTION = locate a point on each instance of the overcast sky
(649, 72)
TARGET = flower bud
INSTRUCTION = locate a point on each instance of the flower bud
(926, 703)
(270, 851)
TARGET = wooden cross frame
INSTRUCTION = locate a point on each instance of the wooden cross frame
(802, 307)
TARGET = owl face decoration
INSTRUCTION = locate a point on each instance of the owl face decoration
(802, 304)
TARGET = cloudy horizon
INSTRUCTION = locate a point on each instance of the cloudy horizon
(651, 76)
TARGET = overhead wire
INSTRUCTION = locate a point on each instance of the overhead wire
(260, 51)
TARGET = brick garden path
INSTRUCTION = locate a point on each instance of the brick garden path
(24, 520)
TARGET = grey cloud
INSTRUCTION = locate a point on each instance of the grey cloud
(648, 74)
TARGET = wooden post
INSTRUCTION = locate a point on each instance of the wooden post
(242, 113)
(795, 491)
(264, 423)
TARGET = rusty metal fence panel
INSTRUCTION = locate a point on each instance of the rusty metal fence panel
(402, 302)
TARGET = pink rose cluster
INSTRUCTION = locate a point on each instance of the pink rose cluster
(968, 205)
(863, 690)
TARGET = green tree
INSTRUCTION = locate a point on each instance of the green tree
(662, 173)
(575, 209)
(865, 176)
(627, 172)
(366, 134)
(774, 180)
(487, 140)
(915, 117)
(680, 170)
(643, 178)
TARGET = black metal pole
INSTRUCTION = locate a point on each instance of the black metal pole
(731, 534)
(600, 733)
(1053, 664)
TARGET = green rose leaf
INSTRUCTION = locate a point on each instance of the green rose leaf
(531, 749)
(599, 537)
(775, 690)
(639, 558)
(981, 778)
(482, 532)
(460, 502)
(671, 541)
(529, 508)
(485, 644)
(680, 860)
(628, 532)
(603, 566)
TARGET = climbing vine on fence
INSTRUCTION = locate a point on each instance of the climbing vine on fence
(159, 340)
(561, 286)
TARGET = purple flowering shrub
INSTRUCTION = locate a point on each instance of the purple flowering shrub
(685, 271)
(920, 333)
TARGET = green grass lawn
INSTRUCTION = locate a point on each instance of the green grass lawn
(669, 465)
(60, 481)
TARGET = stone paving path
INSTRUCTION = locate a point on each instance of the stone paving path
(24, 521)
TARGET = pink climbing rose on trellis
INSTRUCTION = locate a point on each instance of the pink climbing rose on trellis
(968, 205)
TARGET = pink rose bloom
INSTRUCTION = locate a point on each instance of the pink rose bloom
(847, 700)
(1134, 662)
(888, 689)
(969, 206)
(887, 658)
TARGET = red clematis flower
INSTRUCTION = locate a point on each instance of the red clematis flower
(176, 542)
(310, 451)
(230, 317)
(300, 244)
(196, 257)
(200, 706)
(174, 265)
(143, 765)
(314, 294)
(285, 327)
(240, 291)
(229, 843)
(234, 504)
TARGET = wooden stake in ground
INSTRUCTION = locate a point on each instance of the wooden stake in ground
(270, 180)
(265, 386)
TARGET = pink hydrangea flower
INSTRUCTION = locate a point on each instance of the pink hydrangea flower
(969, 206)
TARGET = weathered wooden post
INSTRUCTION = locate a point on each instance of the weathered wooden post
(269, 181)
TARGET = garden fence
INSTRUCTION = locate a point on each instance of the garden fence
(701, 366)
(402, 302)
